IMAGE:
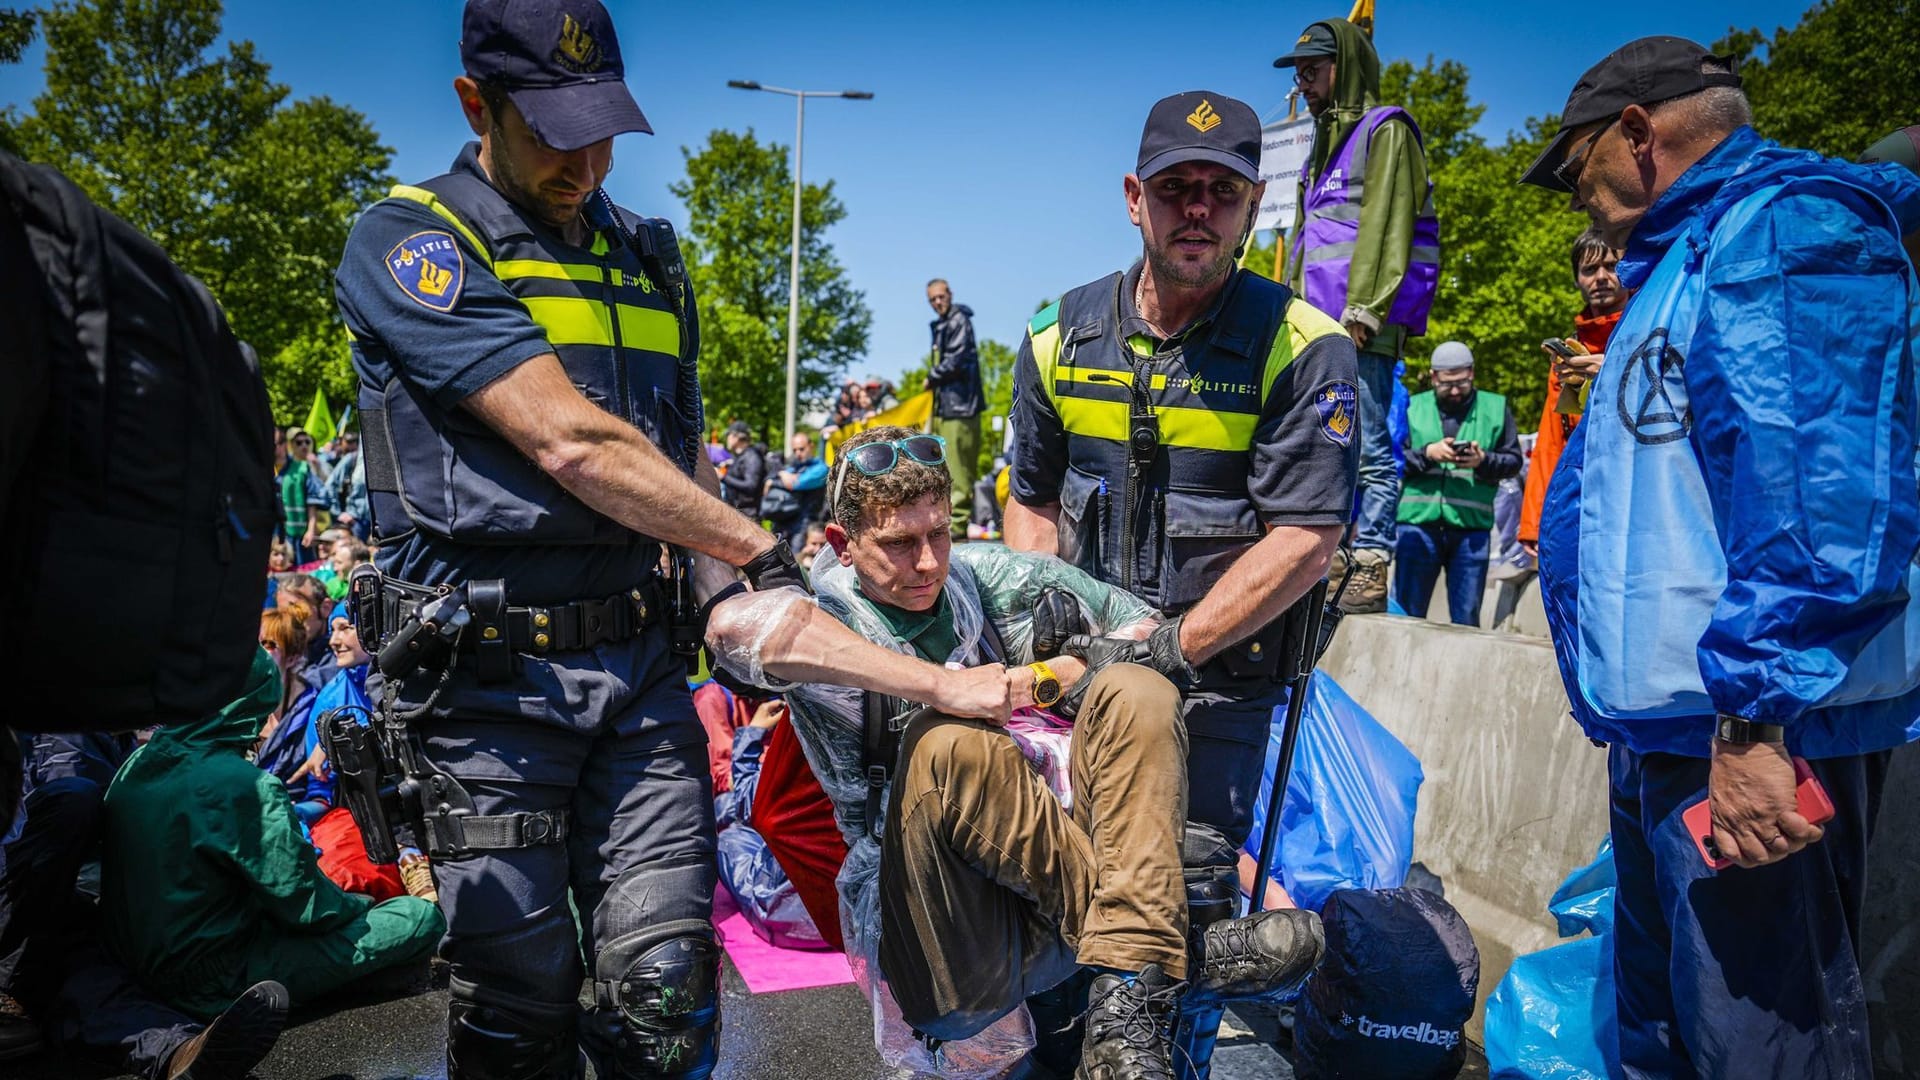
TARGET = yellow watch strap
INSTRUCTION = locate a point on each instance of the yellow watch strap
(1042, 671)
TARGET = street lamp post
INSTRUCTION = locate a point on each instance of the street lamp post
(793, 274)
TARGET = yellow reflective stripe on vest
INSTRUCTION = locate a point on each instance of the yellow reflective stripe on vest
(572, 321)
(432, 202)
(1305, 325)
(509, 269)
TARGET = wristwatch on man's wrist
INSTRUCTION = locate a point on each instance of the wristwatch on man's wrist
(1739, 732)
(1046, 685)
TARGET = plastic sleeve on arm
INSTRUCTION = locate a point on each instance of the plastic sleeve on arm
(1799, 375)
(740, 628)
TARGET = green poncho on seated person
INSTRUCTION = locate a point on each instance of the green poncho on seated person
(208, 884)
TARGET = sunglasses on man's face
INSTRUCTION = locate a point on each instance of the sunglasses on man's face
(881, 458)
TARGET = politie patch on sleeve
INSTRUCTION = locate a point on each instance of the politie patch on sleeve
(1339, 406)
(429, 268)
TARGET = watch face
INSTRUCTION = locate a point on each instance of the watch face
(1046, 691)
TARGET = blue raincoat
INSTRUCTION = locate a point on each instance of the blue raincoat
(1737, 533)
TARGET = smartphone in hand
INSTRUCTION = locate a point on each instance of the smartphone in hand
(1814, 805)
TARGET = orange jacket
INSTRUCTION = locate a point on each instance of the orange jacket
(1593, 332)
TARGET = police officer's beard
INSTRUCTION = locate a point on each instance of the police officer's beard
(1173, 271)
(500, 169)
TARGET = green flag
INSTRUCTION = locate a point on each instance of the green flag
(320, 420)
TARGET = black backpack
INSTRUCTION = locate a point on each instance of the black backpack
(1393, 991)
(137, 499)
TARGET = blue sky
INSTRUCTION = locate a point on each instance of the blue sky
(993, 149)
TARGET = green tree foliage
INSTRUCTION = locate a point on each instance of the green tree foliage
(16, 32)
(739, 199)
(201, 150)
(1504, 281)
(1848, 74)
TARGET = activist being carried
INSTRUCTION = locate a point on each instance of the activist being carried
(1727, 556)
(527, 354)
(1186, 430)
(968, 886)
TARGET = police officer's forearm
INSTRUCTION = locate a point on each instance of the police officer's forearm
(1265, 582)
(787, 636)
(609, 465)
(1033, 528)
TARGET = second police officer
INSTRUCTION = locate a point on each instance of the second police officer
(1186, 429)
(525, 352)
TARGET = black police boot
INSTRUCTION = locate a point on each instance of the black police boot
(1130, 1027)
(509, 1039)
(1273, 950)
(237, 1040)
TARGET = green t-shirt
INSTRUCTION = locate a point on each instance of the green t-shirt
(930, 632)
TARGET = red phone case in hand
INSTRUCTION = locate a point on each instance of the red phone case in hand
(1814, 805)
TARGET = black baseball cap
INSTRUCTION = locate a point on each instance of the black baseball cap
(560, 63)
(1200, 125)
(1316, 41)
(1643, 72)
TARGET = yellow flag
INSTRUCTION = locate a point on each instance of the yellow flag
(915, 412)
(320, 420)
(1362, 17)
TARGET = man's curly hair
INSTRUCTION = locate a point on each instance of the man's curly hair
(909, 482)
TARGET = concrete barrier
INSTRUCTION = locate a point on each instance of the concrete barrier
(1515, 797)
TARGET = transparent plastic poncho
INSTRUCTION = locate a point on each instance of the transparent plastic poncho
(985, 583)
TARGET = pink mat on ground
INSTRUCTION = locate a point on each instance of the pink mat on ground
(766, 968)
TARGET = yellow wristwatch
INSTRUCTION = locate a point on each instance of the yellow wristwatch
(1046, 685)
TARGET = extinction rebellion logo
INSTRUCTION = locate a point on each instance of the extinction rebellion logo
(1653, 393)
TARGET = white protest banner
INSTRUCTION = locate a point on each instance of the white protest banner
(1284, 146)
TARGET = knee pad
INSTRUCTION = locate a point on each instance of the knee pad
(496, 1036)
(657, 1003)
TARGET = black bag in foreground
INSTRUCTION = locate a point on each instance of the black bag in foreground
(136, 473)
(1393, 991)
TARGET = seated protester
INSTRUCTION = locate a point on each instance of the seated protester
(283, 635)
(974, 889)
(280, 557)
(53, 972)
(310, 596)
(93, 756)
(750, 869)
(322, 552)
(207, 885)
(816, 539)
(722, 712)
(346, 553)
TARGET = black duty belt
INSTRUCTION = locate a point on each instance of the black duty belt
(568, 627)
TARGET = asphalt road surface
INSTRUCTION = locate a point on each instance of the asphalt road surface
(795, 1034)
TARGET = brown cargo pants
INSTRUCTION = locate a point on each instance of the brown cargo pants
(991, 892)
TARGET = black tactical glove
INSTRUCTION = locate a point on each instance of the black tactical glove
(1164, 655)
(776, 568)
(1057, 616)
(1099, 654)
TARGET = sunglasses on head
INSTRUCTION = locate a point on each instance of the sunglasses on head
(881, 458)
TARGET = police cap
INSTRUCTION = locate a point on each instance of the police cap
(560, 63)
(1200, 125)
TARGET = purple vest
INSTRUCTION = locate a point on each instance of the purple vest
(1331, 223)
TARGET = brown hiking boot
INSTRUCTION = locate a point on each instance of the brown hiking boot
(1261, 953)
(1367, 590)
(416, 873)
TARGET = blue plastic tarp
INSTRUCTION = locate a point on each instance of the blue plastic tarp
(1552, 1017)
(1347, 822)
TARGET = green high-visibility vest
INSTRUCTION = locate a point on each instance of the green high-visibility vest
(1452, 495)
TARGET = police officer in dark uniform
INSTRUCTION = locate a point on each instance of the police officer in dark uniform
(1186, 429)
(531, 408)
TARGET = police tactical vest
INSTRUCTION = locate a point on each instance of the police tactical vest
(1452, 496)
(614, 328)
(1330, 226)
(1154, 498)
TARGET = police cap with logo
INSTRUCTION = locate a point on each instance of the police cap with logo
(560, 63)
(1200, 125)
(1644, 72)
